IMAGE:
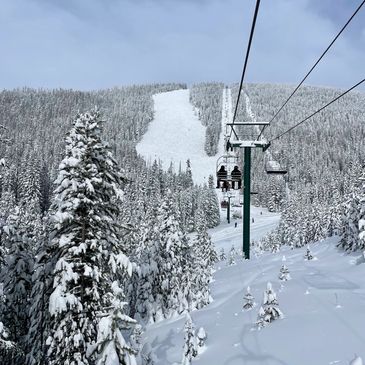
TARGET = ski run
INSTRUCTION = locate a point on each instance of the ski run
(323, 303)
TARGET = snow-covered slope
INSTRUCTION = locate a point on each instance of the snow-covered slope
(176, 135)
(323, 306)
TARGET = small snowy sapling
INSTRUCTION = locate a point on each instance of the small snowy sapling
(201, 337)
(269, 310)
(308, 255)
(248, 300)
(222, 255)
(232, 255)
(190, 346)
(284, 274)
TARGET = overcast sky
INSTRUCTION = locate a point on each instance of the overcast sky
(89, 44)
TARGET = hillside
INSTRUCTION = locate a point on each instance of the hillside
(153, 220)
(322, 304)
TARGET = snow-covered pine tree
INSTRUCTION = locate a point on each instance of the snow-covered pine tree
(111, 347)
(87, 249)
(209, 201)
(203, 258)
(350, 224)
(136, 337)
(284, 274)
(10, 353)
(361, 217)
(190, 344)
(148, 252)
(249, 300)
(188, 175)
(16, 278)
(211, 182)
(232, 256)
(39, 316)
(222, 255)
(269, 310)
(204, 241)
(201, 337)
(172, 280)
(308, 255)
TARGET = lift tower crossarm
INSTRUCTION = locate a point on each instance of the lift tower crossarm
(250, 143)
(247, 123)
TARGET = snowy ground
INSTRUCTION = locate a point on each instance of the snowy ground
(176, 134)
(323, 306)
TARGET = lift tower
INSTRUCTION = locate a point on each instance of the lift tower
(247, 142)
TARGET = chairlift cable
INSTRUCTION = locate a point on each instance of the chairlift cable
(246, 61)
(317, 111)
(313, 67)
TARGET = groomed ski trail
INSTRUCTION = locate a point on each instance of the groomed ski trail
(176, 135)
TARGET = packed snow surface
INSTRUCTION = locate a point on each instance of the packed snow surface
(176, 134)
(323, 307)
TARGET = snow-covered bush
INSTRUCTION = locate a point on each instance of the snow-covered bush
(269, 310)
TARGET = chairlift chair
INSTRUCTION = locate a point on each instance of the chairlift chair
(228, 174)
(224, 204)
(274, 168)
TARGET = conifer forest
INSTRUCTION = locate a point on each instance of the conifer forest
(171, 222)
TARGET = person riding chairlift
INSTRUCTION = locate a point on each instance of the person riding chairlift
(237, 176)
(221, 178)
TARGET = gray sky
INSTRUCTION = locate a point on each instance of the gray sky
(89, 44)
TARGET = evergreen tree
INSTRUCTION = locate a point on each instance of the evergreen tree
(39, 316)
(269, 310)
(232, 256)
(10, 353)
(204, 242)
(222, 255)
(188, 175)
(136, 337)
(284, 274)
(248, 300)
(111, 346)
(350, 223)
(87, 250)
(201, 337)
(172, 281)
(361, 216)
(308, 255)
(190, 346)
(202, 258)
(148, 253)
(209, 201)
(16, 278)
(211, 182)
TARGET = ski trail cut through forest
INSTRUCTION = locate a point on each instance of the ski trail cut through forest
(176, 134)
